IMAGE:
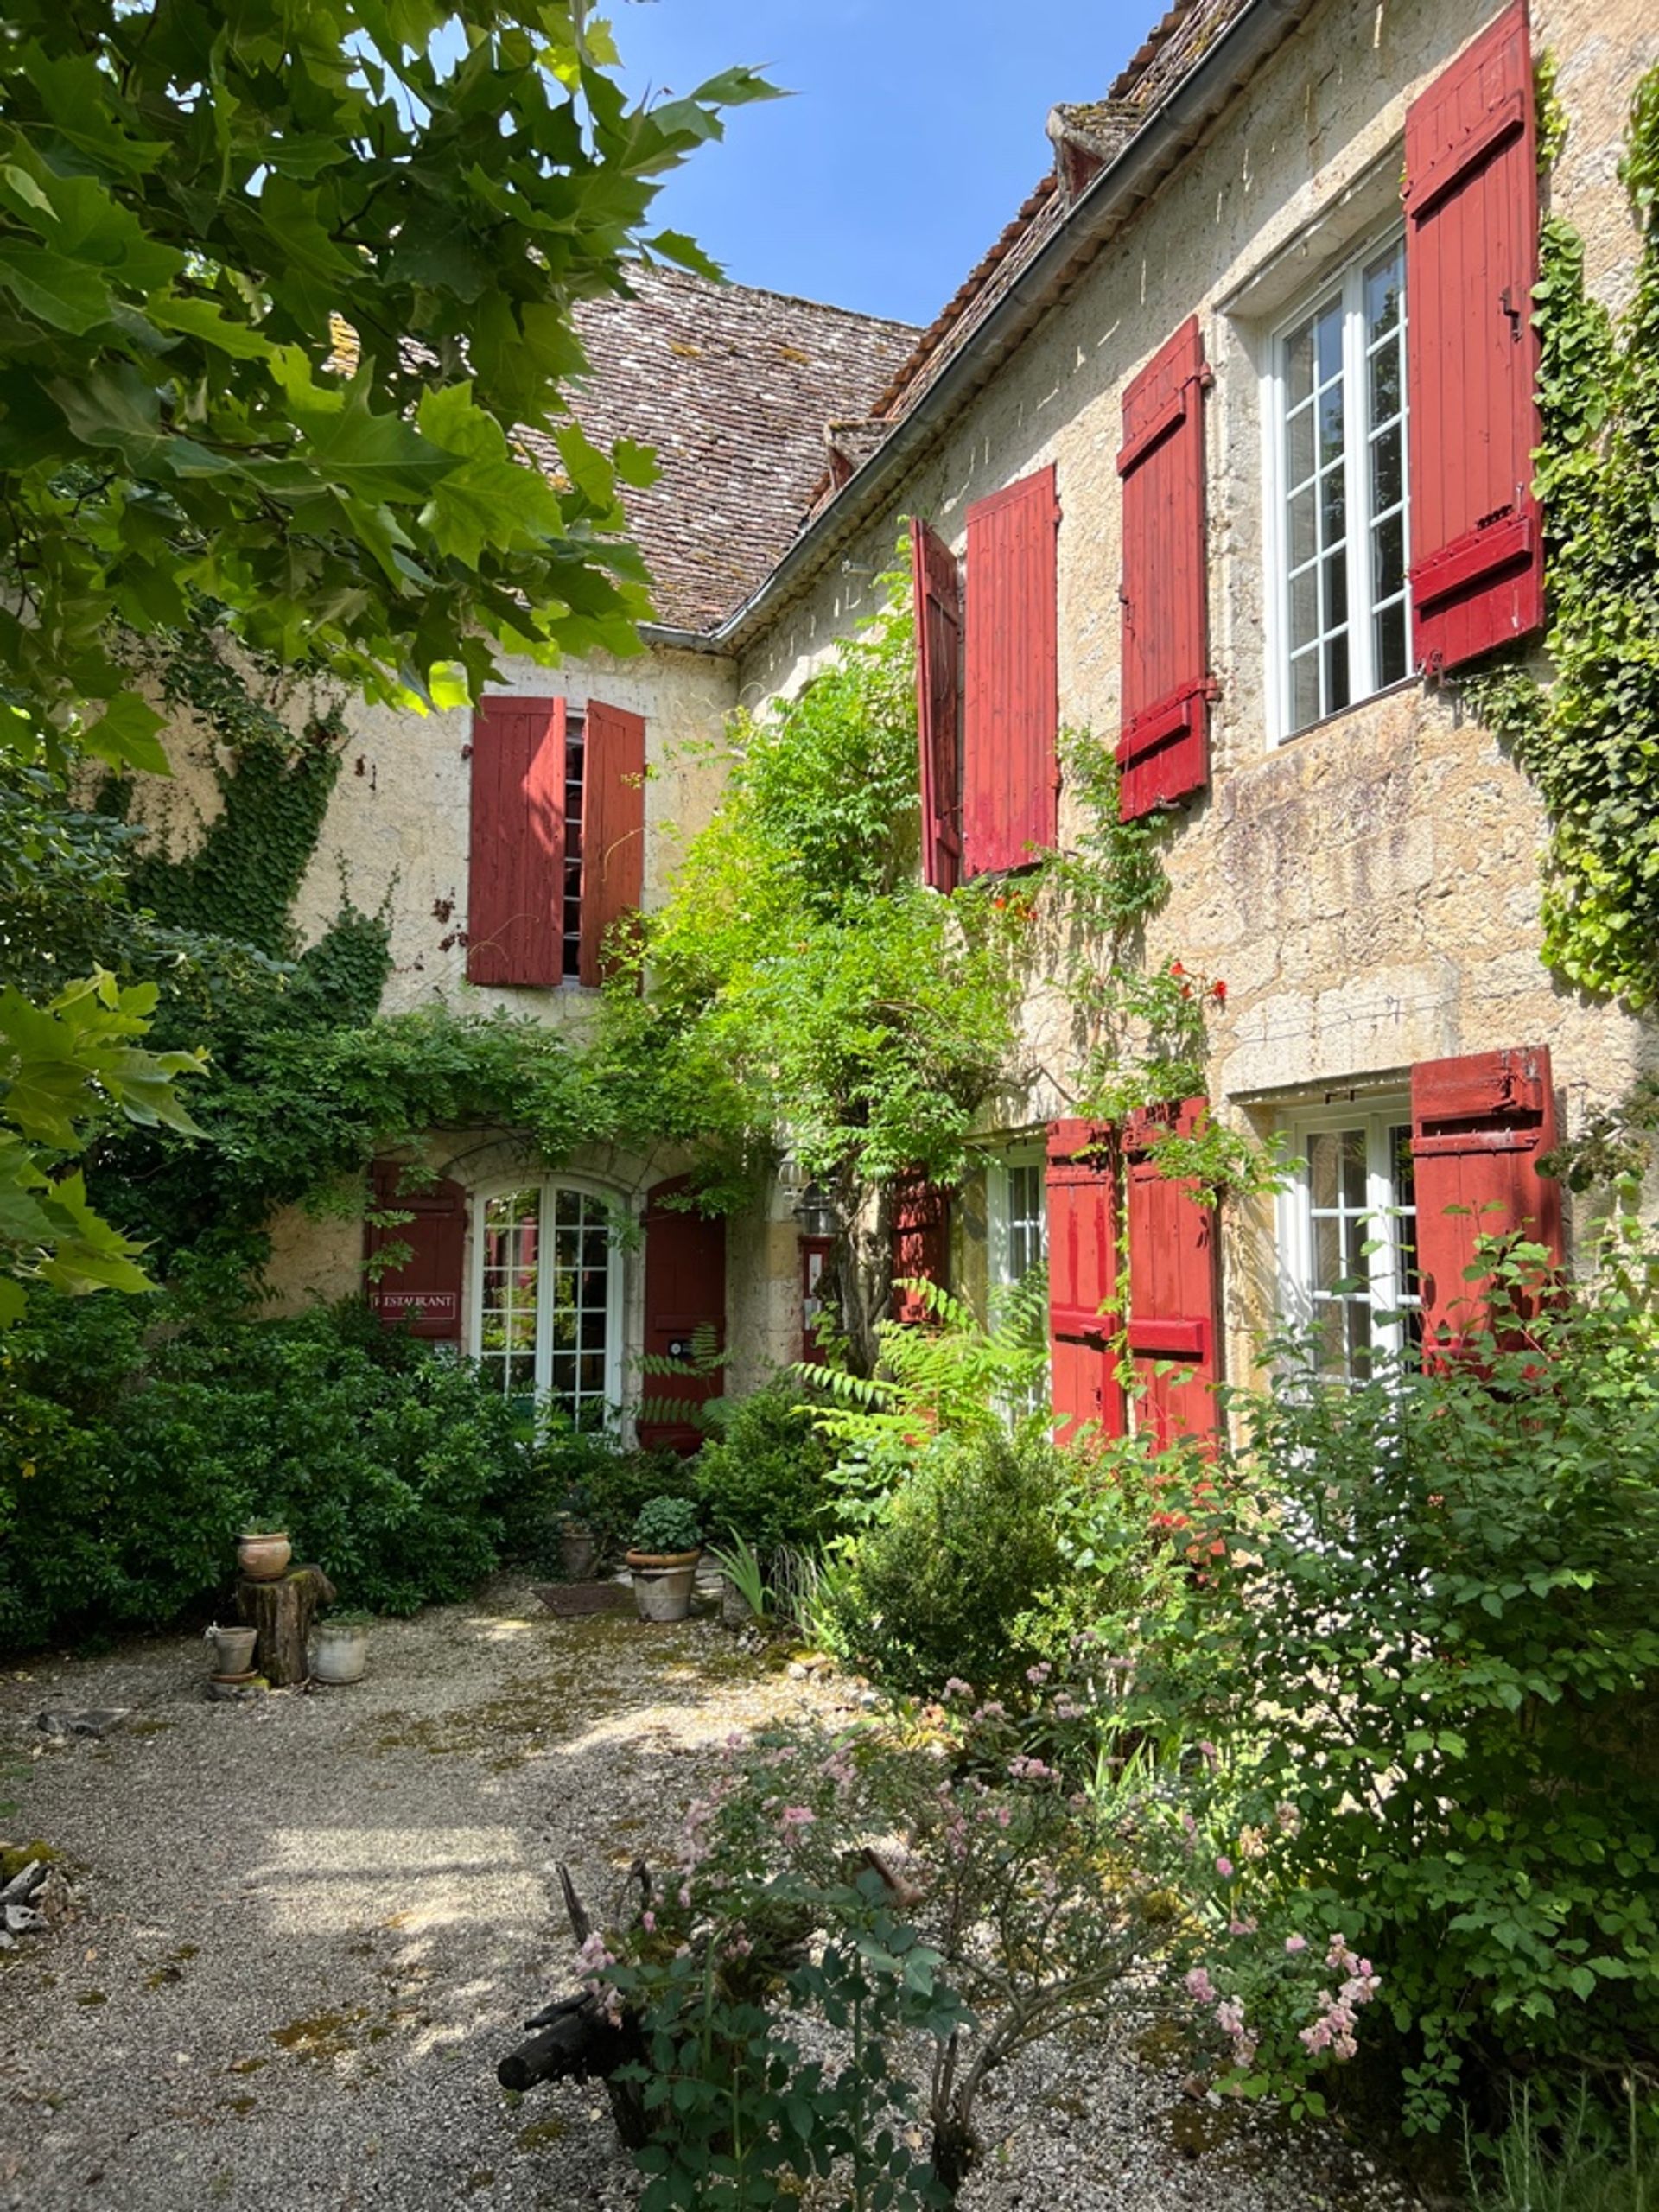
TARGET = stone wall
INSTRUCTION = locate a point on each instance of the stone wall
(1370, 889)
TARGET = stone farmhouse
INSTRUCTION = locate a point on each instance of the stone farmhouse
(1221, 453)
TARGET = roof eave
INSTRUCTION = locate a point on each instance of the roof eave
(1170, 130)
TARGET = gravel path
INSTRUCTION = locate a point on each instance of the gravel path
(306, 1930)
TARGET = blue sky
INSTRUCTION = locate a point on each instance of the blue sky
(915, 131)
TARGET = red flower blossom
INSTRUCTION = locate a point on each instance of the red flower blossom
(1220, 991)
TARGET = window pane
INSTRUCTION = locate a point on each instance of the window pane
(1333, 508)
(1304, 690)
(1353, 1167)
(1390, 646)
(1386, 382)
(1388, 483)
(1336, 591)
(1298, 364)
(1304, 607)
(1388, 557)
(1327, 340)
(1302, 542)
(1298, 447)
(1335, 675)
(1331, 425)
(1384, 283)
(1324, 1153)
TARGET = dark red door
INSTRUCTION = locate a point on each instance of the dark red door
(685, 1314)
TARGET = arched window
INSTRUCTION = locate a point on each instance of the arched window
(547, 1297)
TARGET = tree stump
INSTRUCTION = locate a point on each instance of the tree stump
(283, 1611)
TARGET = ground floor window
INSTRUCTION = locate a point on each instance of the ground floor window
(1017, 1219)
(546, 1305)
(1347, 1238)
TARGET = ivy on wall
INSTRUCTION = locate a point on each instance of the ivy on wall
(1588, 732)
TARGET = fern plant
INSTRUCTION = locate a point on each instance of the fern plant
(952, 1375)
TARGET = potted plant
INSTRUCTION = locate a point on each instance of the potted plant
(664, 1558)
(341, 1649)
(263, 1554)
(578, 1540)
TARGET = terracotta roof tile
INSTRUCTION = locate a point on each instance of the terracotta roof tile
(734, 388)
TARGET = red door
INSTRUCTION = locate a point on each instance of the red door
(685, 1314)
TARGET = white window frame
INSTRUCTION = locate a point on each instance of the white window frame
(1346, 285)
(549, 1187)
(1377, 1113)
(1000, 1211)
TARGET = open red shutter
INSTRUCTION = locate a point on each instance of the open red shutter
(937, 589)
(1175, 1282)
(516, 865)
(1011, 695)
(1472, 353)
(921, 1241)
(1082, 1180)
(1479, 1126)
(1164, 748)
(685, 1308)
(612, 829)
(424, 1294)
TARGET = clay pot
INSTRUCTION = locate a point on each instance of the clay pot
(340, 1652)
(662, 1582)
(578, 1550)
(264, 1557)
(233, 1650)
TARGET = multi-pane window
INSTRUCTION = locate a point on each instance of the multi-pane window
(1018, 1232)
(575, 753)
(1347, 1236)
(547, 1306)
(1340, 405)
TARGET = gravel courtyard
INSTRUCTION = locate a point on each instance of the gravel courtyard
(306, 1929)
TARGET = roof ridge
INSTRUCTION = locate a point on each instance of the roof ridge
(727, 285)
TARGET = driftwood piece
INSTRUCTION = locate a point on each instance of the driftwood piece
(283, 1611)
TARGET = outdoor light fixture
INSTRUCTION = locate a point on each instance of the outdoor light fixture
(816, 1213)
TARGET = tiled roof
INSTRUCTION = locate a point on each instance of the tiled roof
(734, 388)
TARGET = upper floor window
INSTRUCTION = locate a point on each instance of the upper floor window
(1339, 416)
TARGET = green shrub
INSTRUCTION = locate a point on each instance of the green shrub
(962, 1551)
(764, 1476)
(583, 1475)
(138, 1439)
(1425, 1662)
(665, 1525)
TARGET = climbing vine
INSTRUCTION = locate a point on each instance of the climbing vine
(1588, 734)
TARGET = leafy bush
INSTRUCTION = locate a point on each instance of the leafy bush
(584, 1475)
(666, 1525)
(137, 1440)
(764, 1476)
(1424, 1659)
(961, 1551)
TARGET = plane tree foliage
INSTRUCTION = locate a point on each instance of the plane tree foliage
(286, 326)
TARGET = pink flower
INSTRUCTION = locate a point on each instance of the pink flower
(1293, 1944)
(1029, 1770)
(1199, 1987)
(957, 1688)
(1230, 2016)
(993, 1709)
(794, 1820)
(648, 1922)
(1039, 1674)
(1223, 1867)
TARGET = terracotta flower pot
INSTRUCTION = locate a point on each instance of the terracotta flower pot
(662, 1582)
(233, 1651)
(263, 1556)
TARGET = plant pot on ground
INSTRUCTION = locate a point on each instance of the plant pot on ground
(340, 1648)
(232, 1650)
(664, 1558)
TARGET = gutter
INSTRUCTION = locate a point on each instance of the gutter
(1107, 204)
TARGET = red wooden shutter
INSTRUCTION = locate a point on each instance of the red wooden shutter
(1011, 695)
(1174, 1283)
(1082, 1180)
(1164, 748)
(921, 1241)
(612, 829)
(515, 868)
(938, 593)
(1478, 1128)
(685, 1294)
(1472, 353)
(424, 1293)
